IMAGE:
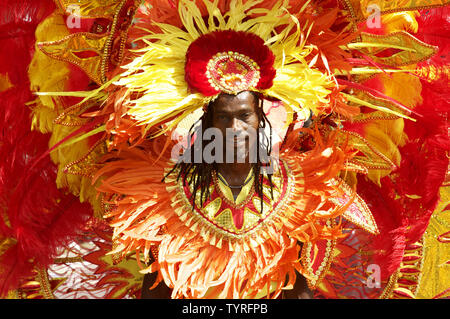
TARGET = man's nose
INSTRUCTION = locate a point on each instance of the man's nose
(236, 124)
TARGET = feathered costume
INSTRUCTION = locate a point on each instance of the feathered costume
(94, 94)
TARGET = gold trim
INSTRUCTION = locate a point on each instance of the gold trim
(95, 67)
(90, 8)
(403, 36)
(45, 288)
(387, 292)
(85, 166)
(225, 198)
(389, 164)
(91, 68)
(222, 85)
(109, 40)
(214, 233)
(371, 227)
(353, 19)
(67, 260)
(64, 118)
(315, 278)
(398, 9)
(396, 289)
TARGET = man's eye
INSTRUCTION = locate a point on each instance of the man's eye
(245, 115)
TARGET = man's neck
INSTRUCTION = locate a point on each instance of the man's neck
(234, 173)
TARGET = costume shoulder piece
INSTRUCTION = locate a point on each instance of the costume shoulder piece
(235, 219)
(96, 93)
(258, 241)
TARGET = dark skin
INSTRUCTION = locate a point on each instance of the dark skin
(238, 113)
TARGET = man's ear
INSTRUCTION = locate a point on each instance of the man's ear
(261, 111)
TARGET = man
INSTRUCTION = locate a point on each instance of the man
(227, 226)
(239, 119)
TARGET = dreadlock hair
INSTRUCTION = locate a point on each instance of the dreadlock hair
(199, 175)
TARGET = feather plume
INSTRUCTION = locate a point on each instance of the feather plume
(37, 217)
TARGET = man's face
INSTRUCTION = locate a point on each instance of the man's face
(238, 115)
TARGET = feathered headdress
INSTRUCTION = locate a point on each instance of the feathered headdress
(180, 69)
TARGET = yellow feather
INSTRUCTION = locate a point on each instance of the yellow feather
(401, 21)
(56, 72)
(42, 118)
(159, 73)
(45, 111)
(5, 83)
(403, 87)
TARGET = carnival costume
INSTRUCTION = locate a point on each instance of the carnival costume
(94, 92)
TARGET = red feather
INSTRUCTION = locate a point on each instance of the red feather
(37, 217)
(388, 247)
(434, 29)
(425, 160)
(205, 47)
(404, 203)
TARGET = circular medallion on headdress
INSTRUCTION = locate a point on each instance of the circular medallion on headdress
(232, 72)
(230, 62)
